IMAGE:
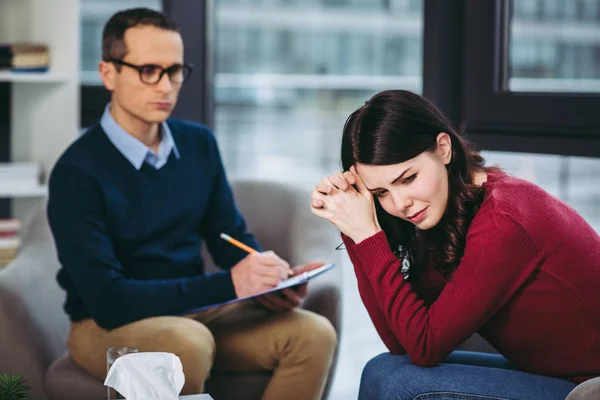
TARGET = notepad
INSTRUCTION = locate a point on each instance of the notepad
(290, 282)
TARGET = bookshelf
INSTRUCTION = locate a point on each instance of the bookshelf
(33, 77)
(24, 192)
(39, 112)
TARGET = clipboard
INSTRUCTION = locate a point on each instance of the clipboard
(298, 279)
(290, 282)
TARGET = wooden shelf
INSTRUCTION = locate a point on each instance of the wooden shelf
(39, 111)
(33, 77)
(23, 192)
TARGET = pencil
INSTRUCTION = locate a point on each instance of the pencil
(246, 248)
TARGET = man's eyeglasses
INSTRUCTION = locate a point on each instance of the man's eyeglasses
(151, 74)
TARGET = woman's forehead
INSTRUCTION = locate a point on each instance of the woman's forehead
(378, 175)
(391, 168)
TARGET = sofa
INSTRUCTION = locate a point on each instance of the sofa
(34, 327)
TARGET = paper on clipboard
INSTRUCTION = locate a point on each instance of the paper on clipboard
(292, 281)
(300, 279)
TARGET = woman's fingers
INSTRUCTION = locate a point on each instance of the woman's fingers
(324, 188)
(331, 184)
(360, 184)
(349, 177)
(318, 199)
(338, 181)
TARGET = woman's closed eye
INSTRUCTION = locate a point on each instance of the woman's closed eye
(409, 179)
(405, 181)
(380, 194)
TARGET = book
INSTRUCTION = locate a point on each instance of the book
(19, 177)
(24, 57)
(10, 240)
(30, 60)
(20, 170)
(10, 225)
(28, 48)
(10, 252)
(7, 243)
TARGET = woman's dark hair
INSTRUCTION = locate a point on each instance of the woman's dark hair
(113, 35)
(395, 126)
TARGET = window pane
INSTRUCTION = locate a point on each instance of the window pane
(94, 14)
(572, 179)
(555, 46)
(289, 72)
(287, 75)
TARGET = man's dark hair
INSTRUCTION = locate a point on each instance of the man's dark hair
(113, 36)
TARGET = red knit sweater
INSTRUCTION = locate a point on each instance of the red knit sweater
(528, 282)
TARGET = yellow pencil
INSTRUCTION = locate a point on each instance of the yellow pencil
(244, 247)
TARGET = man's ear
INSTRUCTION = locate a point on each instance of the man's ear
(107, 74)
(444, 147)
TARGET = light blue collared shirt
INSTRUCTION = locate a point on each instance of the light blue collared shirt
(134, 150)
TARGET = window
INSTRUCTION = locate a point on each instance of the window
(286, 76)
(520, 78)
(530, 75)
(284, 88)
(555, 46)
(572, 179)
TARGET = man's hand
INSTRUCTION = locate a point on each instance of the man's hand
(288, 298)
(258, 272)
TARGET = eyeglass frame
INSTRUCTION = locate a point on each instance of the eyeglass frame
(139, 69)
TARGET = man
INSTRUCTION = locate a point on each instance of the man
(131, 202)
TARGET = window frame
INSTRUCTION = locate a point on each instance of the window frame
(5, 138)
(540, 122)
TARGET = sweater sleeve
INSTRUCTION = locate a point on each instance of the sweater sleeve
(370, 301)
(87, 255)
(223, 216)
(499, 257)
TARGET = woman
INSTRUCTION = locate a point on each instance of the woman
(444, 247)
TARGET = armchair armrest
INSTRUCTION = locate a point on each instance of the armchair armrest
(22, 352)
(586, 390)
(33, 326)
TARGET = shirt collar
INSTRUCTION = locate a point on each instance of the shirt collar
(133, 149)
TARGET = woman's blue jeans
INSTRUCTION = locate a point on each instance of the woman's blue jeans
(462, 376)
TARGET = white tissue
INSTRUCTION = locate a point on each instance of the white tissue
(147, 376)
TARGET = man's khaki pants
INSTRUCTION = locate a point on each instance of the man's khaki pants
(297, 346)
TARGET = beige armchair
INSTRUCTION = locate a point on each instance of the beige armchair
(34, 327)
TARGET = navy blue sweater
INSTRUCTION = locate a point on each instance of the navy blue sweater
(129, 240)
